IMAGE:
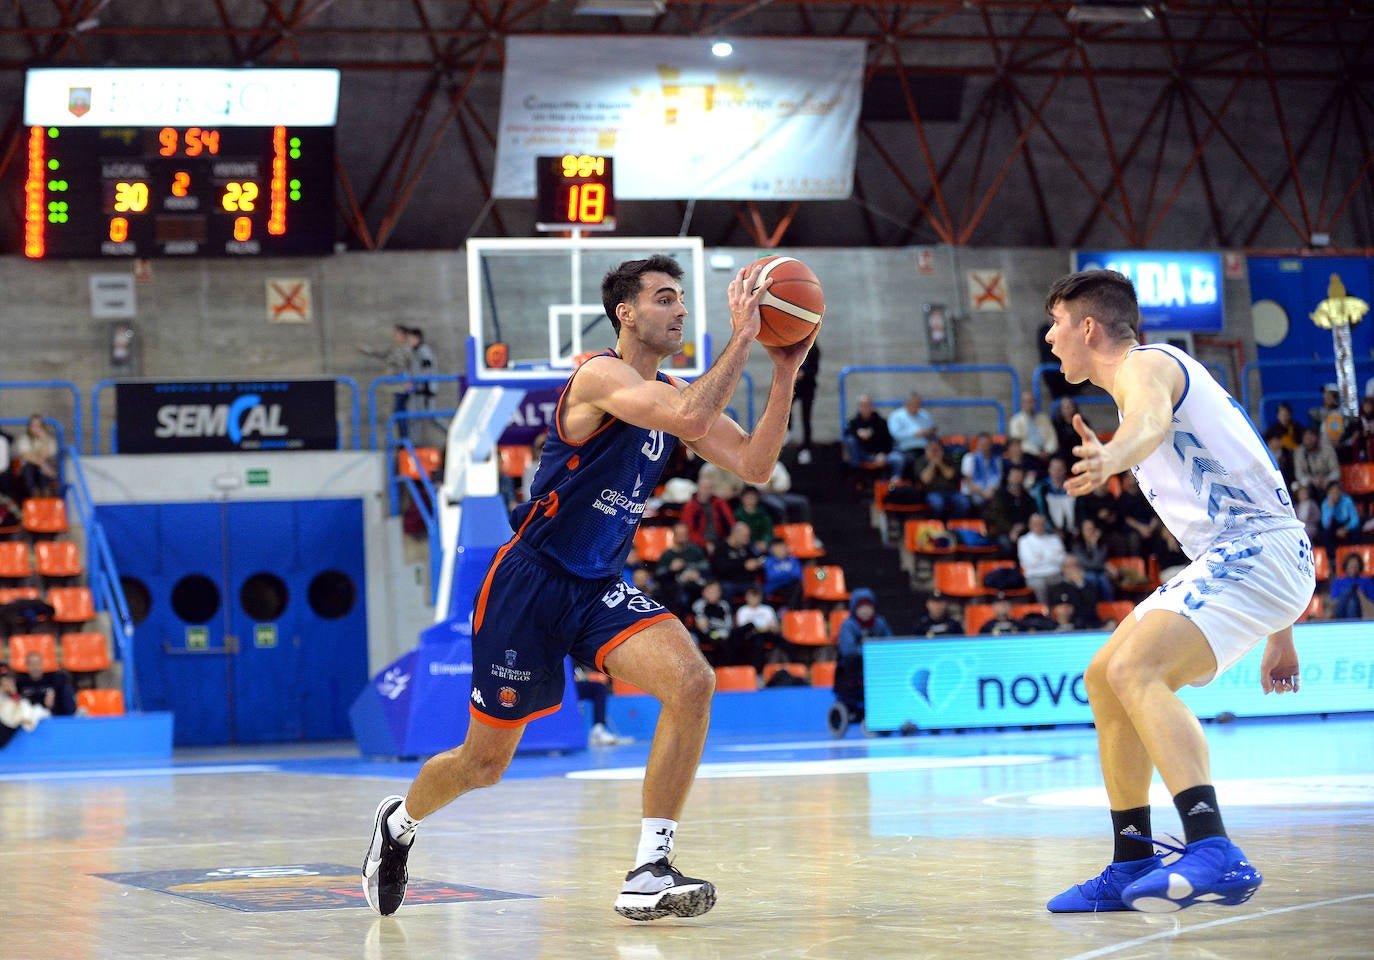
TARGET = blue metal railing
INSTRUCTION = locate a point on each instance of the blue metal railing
(399, 379)
(942, 370)
(425, 497)
(66, 385)
(103, 576)
(1038, 380)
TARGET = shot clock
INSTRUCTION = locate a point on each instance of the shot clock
(574, 192)
(235, 170)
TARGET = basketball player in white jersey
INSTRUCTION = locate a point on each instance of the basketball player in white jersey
(1210, 478)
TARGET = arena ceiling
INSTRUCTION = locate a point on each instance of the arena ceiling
(1211, 123)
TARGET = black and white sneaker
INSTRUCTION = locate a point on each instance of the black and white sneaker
(384, 864)
(658, 889)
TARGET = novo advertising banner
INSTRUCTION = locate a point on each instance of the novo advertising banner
(1037, 678)
(778, 120)
(217, 416)
(1176, 291)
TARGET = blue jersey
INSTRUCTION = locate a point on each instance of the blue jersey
(587, 498)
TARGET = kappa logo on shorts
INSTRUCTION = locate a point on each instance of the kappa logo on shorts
(477, 697)
(509, 697)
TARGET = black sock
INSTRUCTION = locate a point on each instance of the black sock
(1197, 808)
(1130, 831)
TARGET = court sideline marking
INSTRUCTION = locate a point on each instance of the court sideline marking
(1127, 944)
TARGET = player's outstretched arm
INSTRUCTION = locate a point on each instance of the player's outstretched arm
(1144, 390)
(1279, 668)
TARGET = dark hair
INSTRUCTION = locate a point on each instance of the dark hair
(1105, 295)
(417, 333)
(622, 284)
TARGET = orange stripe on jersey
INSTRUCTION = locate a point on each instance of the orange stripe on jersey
(558, 410)
(509, 724)
(480, 608)
(626, 634)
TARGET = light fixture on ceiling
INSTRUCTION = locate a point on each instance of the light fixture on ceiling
(1102, 11)
(619, 8)
(721, 47)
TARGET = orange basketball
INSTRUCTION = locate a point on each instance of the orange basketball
(793, 305)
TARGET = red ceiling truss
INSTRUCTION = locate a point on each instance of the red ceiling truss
(1217, 123)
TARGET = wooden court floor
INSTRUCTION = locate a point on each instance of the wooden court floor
(866, 848)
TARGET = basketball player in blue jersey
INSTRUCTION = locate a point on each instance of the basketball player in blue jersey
(1203, 465)
(556, 587)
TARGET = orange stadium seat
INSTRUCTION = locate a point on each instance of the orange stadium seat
(429, 460)
(14, 560)
(1365, 552)
(824, 583)
(11, 594)
(975, 615)
(800, 539)
(86, 652)
(22, 644)
(1314, 609)
(58, 558)
(650, 542)
(515, 459)
(71, 604)
(45, 515)
(736, 679)
(805, 628)
(958, 578)
(836, 619)
(823, 673)
(102, 702)
(1117, 610)
(1321, 561)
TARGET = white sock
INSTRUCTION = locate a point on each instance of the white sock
(401, 825)
(655, 840)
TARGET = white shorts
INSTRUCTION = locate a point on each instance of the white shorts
(1240, 591)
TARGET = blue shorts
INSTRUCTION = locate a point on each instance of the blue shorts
(528, 617)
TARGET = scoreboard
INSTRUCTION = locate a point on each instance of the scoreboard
(218, 177)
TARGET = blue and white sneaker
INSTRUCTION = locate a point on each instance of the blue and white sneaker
(1213, 870)
(1103, 892)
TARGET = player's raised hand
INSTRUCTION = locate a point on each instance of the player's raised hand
(792, 355)
(743, 296)
(1090, 471)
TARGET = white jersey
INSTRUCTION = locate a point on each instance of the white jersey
(1212, 477)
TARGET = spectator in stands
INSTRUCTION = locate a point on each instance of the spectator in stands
(1090, 550)
(1140, 533)
(804, 393)
(1284, 458)
(753, 514)
(37, 453)
(712, 621)
(736, 564)
(1064, 614)
(1169, 556)
(52, 691)
(646, 583)
(1055, 502)
(982, 472)
(1315, 463)
(777, 496)
(1062, 421)
(1309, 511)
(939, 476)
(597, 692)
(868, 440)
(1008, 514)
(1001, 621)
(912, 428)
(1340, 519)
(1366, 419)
(1329, 418)
(755, 633)
(1098, 505)
(1352, 593)
(1355, 442)
(682, 570)
(707, 516)
(1014, 454)
(937, 621)
(1082, 594)
(1033, 428)
(1041, 556)
(395, 362)
(1285, 428)
(782, 573)
(15, 711)
(863, 623)
(423, 364)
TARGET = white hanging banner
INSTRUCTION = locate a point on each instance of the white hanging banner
(778, 120)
